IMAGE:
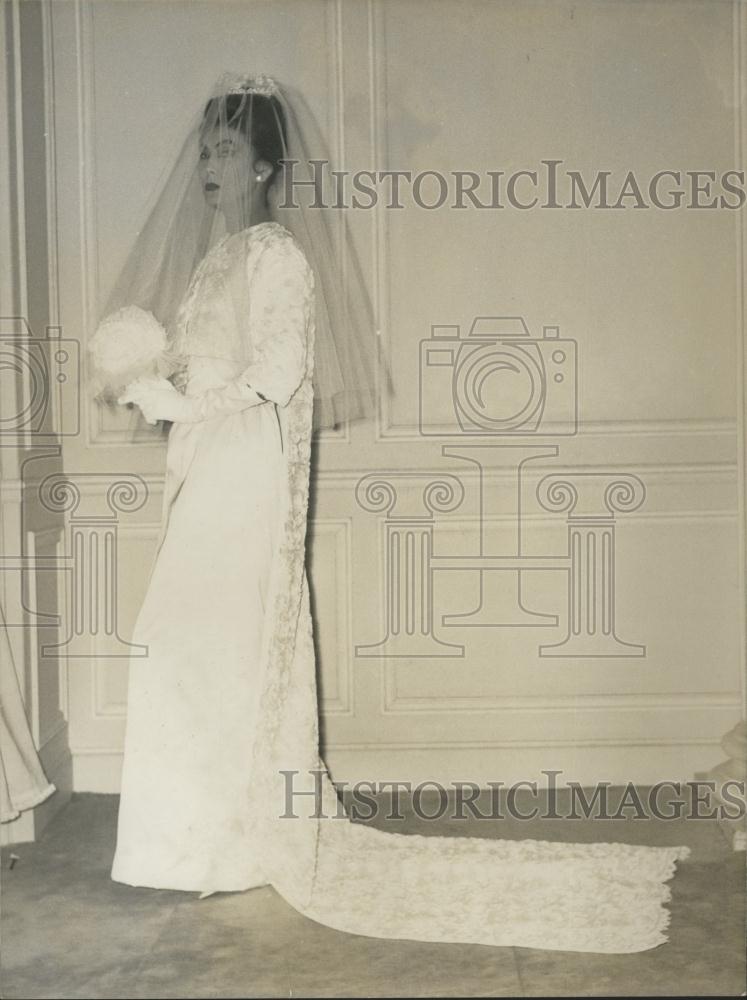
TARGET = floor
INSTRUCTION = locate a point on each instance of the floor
(69, 931)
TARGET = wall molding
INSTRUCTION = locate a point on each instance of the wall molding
(99, 769)
(635, 429)
(340, 530)
(740, 151)
(540, 704)
(336, 478)
(540, 744)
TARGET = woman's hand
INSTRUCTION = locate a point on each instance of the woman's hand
(159, 400)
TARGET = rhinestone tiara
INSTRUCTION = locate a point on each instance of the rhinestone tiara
(261, 84)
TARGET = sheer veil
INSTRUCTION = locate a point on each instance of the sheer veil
(183, 225)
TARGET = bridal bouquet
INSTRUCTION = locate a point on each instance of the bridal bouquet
(128, 344)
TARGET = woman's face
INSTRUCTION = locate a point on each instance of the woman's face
(225, 168)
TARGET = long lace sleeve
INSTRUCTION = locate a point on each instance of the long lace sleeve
(281, 289)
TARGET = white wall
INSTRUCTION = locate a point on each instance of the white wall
(653, 299)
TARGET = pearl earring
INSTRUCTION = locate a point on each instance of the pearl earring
(259, 177)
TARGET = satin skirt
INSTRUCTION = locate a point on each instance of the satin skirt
(193, 699)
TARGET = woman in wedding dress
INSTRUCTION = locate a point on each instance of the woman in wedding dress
(224, 705)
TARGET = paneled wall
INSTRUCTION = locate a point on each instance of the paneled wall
(32, 542)
(653, 301)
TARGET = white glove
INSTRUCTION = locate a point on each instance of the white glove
(159, 400)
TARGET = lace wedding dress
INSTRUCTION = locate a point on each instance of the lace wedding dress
(225, 704)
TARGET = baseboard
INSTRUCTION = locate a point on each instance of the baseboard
(638, 764)
(99, 769)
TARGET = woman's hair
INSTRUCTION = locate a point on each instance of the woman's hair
(260, 119)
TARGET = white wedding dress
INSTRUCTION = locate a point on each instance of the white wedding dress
(226, 699)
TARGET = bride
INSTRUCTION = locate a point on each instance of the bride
(266, 344)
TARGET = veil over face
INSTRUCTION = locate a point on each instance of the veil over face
(247, 140)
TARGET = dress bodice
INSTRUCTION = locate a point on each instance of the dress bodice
(235, 297)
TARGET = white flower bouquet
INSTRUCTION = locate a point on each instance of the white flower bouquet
(128, 344)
